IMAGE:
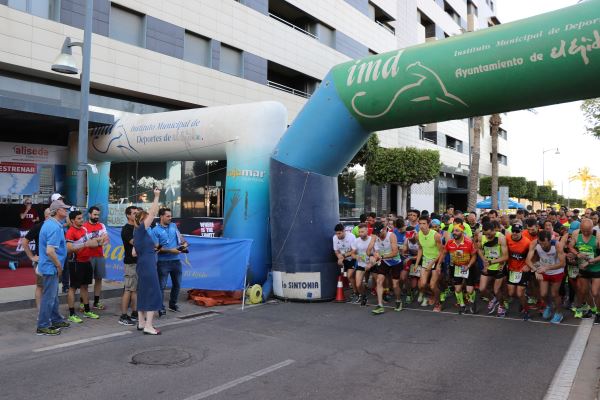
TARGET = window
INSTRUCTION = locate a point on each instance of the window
(48, 9)
(196, 49)
(430, 136)
(127, 26)
(472, 9)
(325, 34)
(454, 144)
(502, 159)
(452, 13)
(231, 61)
(430, 29)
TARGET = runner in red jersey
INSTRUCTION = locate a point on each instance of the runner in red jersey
(518, 270)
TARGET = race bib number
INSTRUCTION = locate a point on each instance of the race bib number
(415, 270)
(461, 272)
(514, 277)
(493, 254)
(573, 271)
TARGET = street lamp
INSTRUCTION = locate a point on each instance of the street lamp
(556, 151)
(65, 64)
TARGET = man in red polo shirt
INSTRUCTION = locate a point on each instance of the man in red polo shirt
(97, 231)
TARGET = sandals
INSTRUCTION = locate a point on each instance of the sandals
(156, 332)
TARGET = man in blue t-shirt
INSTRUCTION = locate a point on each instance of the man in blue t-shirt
(52, 256)
(171, 244)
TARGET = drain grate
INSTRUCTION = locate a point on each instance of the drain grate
(167, 357)
(200, 314)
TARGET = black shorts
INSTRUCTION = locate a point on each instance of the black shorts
(525, 276)
(589, 274)
(381, 269)
(496, 274)
(395, 270)
(349, 264)
(80, 274)
(470, 280)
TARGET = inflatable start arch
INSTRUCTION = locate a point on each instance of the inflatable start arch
(548, 59)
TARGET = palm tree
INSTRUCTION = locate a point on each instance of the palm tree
(585, 177)
(474, 164)
(495, 122)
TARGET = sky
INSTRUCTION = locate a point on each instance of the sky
(559, 126)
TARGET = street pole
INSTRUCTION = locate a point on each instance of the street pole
(543, 166)
(82, 142)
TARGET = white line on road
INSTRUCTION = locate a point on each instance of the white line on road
(183, 321)
(76, 342)
(565, 374)
(241, 380)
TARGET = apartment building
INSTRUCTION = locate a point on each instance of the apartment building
(151, 56)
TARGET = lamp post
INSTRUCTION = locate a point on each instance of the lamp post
(65, 64)
(556, 151)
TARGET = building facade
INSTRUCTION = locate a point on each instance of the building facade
(150, 56)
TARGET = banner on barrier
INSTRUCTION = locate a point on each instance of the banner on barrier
(212, 263)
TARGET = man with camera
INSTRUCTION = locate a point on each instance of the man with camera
(170, 243)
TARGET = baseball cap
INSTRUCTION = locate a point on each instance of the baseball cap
(56, 196)
(436, 221)
(517, 227)
(57, 204)
(574, 226)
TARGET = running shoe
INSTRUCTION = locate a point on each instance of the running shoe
(409, 299)
(573, 308)
(356, 299)
(363, 300)
(420, 298)
(162, 313)
(99, 306)
(399, 306)
(501, 312)
(134, 316)
(124, 320)
(506, 304)
(443, 296)
(47, 331)
(462, 309)
(486, 299)
(557, 318)
(492, 306)
(378, 310)
(526, 316)
(387, 297)
(437, 308)
(75, 319)
(91, 315)
(588, 314)
(12, 266)
(60, 325)
(578, 313)
(425, 302)
(473, 308)
(597, 319)
(548, 313)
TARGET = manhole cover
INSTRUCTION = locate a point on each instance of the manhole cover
(162, 357)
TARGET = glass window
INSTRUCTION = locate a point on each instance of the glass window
(196, 49)
(127, 26)
(231, 61)
(326, 35)
(41, 8)
(20, 5)
(203, 188)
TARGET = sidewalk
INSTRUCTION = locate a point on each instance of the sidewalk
(587, 378)
(22, 297)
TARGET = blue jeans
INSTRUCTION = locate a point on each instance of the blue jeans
(49, 314)
(174, 269)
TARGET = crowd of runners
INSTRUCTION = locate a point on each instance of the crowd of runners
(495, 263)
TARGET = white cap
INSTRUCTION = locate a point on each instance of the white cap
(56, 196)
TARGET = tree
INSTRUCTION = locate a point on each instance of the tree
(531, 192)
(404, 167)
(591, 113)
(517, 185)
(485, 186)
(474, 166)
(544, 195)
(495, 122)
(554, 196)
(585, 177)
(366, 152)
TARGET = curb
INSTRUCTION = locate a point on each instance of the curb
(62, 298)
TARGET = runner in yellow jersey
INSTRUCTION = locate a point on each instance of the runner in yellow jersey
(430, 248)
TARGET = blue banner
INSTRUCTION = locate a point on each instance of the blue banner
(212, 263)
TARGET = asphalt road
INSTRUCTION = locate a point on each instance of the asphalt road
(286, 351)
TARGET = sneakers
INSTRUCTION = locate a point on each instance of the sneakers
(12, 265)
(557, 318)
(547, 313)
(99, 306)
(443, 296)
(424, 302)
(492, 306)
(387, 297)
(578, 313)
(420, 298)
(47, 331)
(174, 308)
(356, 299)
(125, 320)
(501, 312)
(363, 300)
(437, 308)
(409, 299)
(91, 315)
(378, 310)
(473, 308)
(398, 306)
(462, 309)
(60, 325)
(134, 316)
(162, 313)
(526, 316)
(597, 319)
(352, 298)
(75, 319)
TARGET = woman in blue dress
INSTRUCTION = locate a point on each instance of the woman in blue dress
(149, 295)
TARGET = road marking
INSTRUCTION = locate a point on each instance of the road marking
(241, 380)
(183, 321)
(478, 315)
(561, 384)
(82, 341)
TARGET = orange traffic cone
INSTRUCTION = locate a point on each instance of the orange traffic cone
(339, 296)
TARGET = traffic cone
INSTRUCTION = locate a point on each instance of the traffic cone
(339, 296)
